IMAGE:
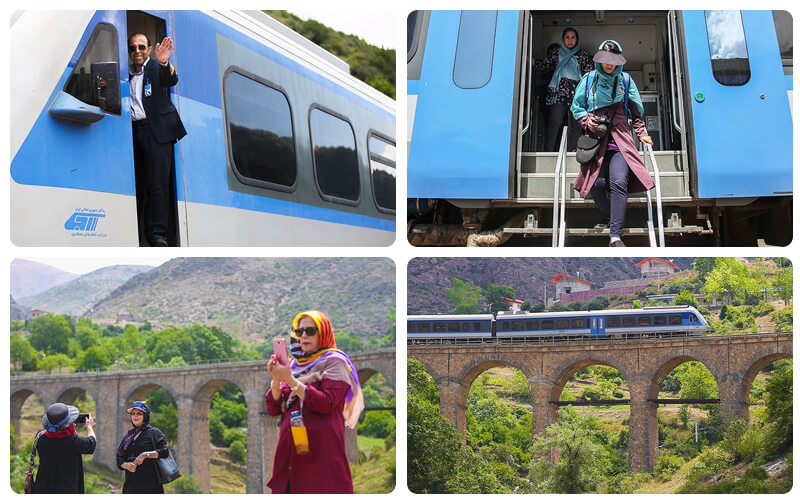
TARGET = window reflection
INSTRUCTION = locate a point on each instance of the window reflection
(727, 47)
(335, 160)
(382, 166)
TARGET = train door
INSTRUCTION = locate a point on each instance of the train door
(72, 180)
(598, 327)
(464, 142)
(157, 25)
(739, 109)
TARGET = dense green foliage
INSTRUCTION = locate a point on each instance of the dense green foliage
(372, 65)
(464, 297)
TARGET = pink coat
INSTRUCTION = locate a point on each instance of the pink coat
(640, 180)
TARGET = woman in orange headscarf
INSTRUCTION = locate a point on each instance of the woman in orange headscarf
(322, 385)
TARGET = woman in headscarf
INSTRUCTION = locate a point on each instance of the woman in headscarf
(322, 384)
(568, 63)
(141, 446)
(607, 176)
(60, 449)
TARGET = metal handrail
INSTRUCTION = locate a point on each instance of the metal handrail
(529, 75)
(556, 179)
(673, 62)
(562, 157)
(648, 150)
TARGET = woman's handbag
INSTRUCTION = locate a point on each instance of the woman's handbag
(167, 469)
(29, 475)
(587, 148)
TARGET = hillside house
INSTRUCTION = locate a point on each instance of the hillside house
(655, 268)
(566, 284)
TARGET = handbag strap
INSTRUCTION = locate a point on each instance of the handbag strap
(33, 453)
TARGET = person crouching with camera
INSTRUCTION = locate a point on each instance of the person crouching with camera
(605, 100)
(60, 449)
(141, 446)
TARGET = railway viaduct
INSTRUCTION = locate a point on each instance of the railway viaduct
(192, 388)
(733, 360)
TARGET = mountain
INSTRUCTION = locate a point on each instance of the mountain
(251, 297)
(18, 312)
(428, 278)
(77, 296)
(29, 278)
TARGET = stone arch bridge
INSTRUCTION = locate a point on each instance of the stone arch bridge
(192, 388)
(734, 361)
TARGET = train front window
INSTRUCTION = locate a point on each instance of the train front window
(101, 48)
(383, 168)
(475, 48)
(335, 159)
(260, 133)
(783, 30)
(727, 47)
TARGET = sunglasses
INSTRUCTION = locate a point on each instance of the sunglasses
(309, 330)
(141, 48)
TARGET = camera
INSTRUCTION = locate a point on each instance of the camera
(82, 418)
(603, 124)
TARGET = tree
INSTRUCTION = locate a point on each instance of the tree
(783, 283)
(703, 266)
(86, 336)
(495, 295)
(779, 407)
(50, 334)
(238, 453)
(685, 297)
(582, 462)
(92, 358)
(729, 279)
(22, 352)
(597, 303)
(54, 361)
(434, 447)
(463, 297)
(697, 382)
(683, 415)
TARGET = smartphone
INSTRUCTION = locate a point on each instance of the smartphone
(279, 348)
(82, 418)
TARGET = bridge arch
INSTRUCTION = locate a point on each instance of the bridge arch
(665, 365)
(18, 398)
(753, 367)
(572, 365)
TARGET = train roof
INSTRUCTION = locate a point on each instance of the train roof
(258, 24)
(460, 317)
(605, 312)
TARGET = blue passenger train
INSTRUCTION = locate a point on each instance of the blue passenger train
(716, 88)
(284, 146)
(665, 321)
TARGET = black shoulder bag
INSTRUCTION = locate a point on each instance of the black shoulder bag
(166, 468)
(589, 144)
(29, 474)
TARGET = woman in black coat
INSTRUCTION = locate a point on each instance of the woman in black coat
(60, 449)
(139, 450)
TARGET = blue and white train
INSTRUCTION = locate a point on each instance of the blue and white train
(284, 146)
(665, 321)
(717, 92)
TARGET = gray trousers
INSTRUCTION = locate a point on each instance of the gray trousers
(610, 191)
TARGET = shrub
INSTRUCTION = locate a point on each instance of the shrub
(667, 465)
(238, 453)
(712, 461)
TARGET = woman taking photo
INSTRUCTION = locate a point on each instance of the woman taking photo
(611, 95)
(60, 449)
(318, 390)
(568, 63)
(139, 450)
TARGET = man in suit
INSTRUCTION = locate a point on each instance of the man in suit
(156, 127)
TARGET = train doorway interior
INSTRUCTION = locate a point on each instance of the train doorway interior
(155, 28)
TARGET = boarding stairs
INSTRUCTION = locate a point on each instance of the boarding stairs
(548, 178)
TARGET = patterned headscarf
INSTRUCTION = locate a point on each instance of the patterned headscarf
(327, 362)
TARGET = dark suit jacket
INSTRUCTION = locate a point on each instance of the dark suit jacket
(161, 114)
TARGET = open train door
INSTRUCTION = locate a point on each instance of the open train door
(738, 99)
(465, 123)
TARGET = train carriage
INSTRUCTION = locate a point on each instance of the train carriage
(284, 146)
(716, 88)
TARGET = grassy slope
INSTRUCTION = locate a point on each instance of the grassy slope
(371, 475)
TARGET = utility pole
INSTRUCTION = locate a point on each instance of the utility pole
(695, 433)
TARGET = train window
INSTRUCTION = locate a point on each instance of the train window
(439, 327)
(476, 327)
(475, 48)
(413, 27)
(412, 327)
(424, 327)
(675, 319)
(335, 159)
(506, 326)
(659, 320)
(464, 327)
(562, 323)
(692, 318)
(628, 321)
(612, 321)
(783, 30)
(547, 324)
(517, 325)
(101, 48)
(579, 323)
(533, 325)
(453, 327)
(644, 321)
(727, 47)
(260, 133)
(383, 168)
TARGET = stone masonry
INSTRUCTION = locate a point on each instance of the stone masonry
(192, 389)
(733, 360)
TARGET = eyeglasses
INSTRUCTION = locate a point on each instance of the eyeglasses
(141, 48)
(309, 330)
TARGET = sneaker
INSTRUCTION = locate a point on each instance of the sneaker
(616, 243)
(601, 226)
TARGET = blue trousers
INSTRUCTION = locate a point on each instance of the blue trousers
(610, 191)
